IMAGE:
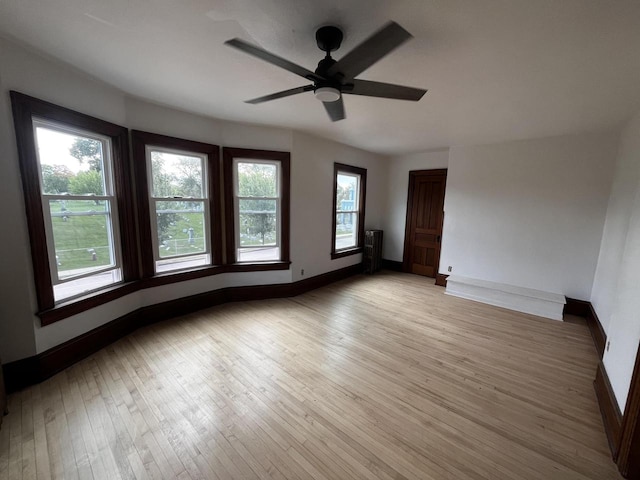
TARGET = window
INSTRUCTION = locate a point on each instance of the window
(180, 209)
(257, 201)
(179, 203)
(78, 202)
(74, 172)
(257, 187)
(349, 187)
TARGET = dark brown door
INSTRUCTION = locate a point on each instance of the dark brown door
(425, 214)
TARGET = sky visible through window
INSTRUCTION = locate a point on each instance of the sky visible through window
(53, 149)
(347, 181)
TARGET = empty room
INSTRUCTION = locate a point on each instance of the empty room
(287, 239)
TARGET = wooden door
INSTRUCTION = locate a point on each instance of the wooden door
(425, 215)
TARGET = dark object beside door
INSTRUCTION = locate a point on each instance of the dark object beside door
(372, 251)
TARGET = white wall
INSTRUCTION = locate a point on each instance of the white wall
(312, 202)
(616, 289)
(619, 213)
(312, 179)
(529, 213)
(142, 115)
(398, 189)
(16, 278)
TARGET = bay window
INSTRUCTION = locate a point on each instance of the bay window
(92, 241)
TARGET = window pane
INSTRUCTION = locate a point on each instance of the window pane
(70, 163)
(82, 237)
(257, 222)
(175, 175)
(347, 192)
(346, 230)
(257, 180)
(181, 228)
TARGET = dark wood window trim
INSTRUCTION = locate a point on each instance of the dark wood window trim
(73, 307)
(341, 167)
(257, 267)
(228, 155)
(25, 108)
(140, 140)
(346, 253)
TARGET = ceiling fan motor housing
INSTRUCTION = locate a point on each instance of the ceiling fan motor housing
(329, 38)
(323, 67)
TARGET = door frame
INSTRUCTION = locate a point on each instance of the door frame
(407, 228)
(627, 455)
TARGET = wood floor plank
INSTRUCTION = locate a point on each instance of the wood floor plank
(28, 438)
(379, 376)
(14, 425)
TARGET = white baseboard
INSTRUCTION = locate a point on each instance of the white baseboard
(526, 300)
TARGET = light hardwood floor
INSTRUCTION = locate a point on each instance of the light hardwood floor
(378, 376)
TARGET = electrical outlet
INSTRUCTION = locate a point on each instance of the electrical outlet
(302, 272)
(450, 268)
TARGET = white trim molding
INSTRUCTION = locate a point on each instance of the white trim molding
(525, 300)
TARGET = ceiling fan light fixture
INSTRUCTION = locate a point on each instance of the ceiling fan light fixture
(327, 94)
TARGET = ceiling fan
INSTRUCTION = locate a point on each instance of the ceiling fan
(333, 78)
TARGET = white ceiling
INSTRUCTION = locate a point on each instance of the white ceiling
(495, 70)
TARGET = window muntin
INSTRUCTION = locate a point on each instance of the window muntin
(179, 208)
(79, 206)
(257, 207)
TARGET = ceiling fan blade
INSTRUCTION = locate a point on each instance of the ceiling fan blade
(335, 109)
(370, 51)
(284, 93)
(273, 59)
(385, 90)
